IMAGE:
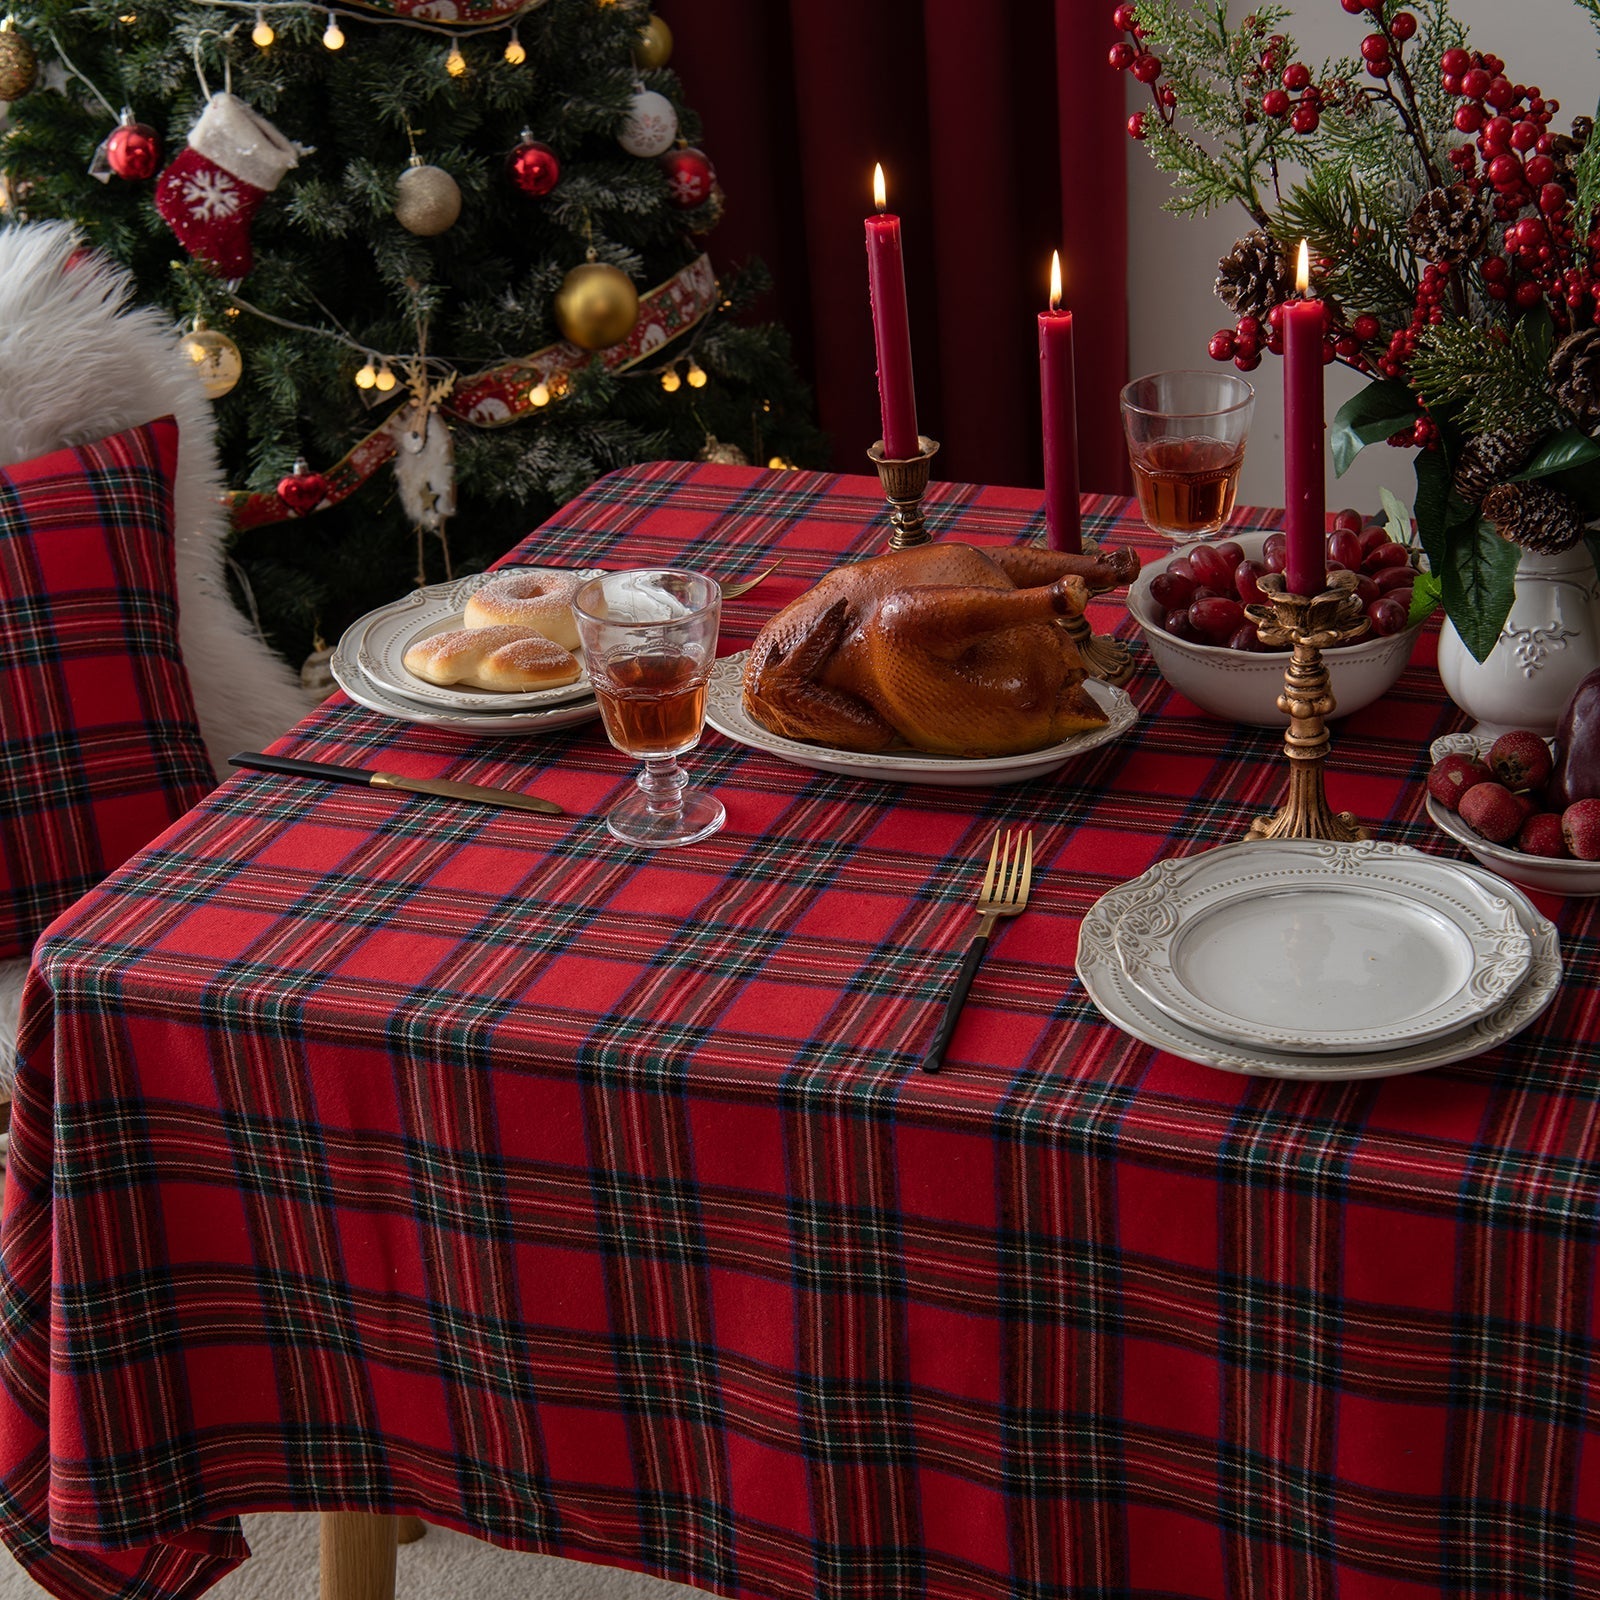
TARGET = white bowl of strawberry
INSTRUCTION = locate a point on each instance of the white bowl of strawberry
(1191, 603)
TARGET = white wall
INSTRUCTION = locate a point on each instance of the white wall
(1172, 261)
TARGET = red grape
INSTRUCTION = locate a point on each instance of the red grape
(1206, 592)
(1403, 596)
(1244, 580)
(1395, 577)
(1231, 551)
(1244, 638)
(1209, 567)
(1345, 547)
(1367, 589)
(1372, 537)
(1387, 615)
(1181, 567)
(1387, 555)
(1350, 520)
(1178, 625)
(1275, 552)
(1171, 590)
(1216, 619)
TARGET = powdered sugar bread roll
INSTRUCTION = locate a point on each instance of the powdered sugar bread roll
(512, 660)
(538, 600)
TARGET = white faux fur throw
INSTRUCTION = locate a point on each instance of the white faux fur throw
(76, 365)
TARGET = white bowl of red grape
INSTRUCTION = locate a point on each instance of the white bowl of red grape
(1191, 607)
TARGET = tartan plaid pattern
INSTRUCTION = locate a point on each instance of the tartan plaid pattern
(395, 1154)
(99, 749)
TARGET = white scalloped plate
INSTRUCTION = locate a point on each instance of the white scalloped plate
(378, 642)
(1121, 1004)
(374, 697)
(1580, 880)
(1314, 948)
(726, 713)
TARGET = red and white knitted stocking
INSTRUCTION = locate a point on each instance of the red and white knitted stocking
(211, 191)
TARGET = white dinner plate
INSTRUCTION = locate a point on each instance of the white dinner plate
(726, 713)
(378, 643)
(1312, 947)
(375, 697)
(1120, 1003)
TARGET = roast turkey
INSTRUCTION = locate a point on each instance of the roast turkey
(946, 648)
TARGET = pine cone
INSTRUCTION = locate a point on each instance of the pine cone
(1575, 377)
(1488, 459)
(1449, 225)
(1254, 276)
(1564, 149)
(1535, 516)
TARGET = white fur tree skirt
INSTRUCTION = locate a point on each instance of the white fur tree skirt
(441, 1566)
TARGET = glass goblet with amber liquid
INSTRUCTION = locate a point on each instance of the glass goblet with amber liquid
(649, 640)
(1186, 436)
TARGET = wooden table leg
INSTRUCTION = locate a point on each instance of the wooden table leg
(409, 1529)
(357, 1556)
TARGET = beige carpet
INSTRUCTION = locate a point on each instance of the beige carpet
(441, 1566)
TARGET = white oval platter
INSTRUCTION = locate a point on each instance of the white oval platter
(376, 698)
(1314, 947)
(378, 642)
(1108, 987)
(726, 713)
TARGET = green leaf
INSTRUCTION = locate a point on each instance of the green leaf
(1478, 582)
(1396, 518)
(1540, 329)
(1425, 595)
(1374, 413)
(1433, 505)
(1569, 448)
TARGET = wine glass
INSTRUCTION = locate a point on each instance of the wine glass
(649, 638)
(1186, 437)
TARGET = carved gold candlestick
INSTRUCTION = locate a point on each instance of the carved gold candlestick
(1309, 624)
(1103, 657)
(904, 484)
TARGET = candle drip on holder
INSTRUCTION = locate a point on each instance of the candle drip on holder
(1309, 625)
(905, 481)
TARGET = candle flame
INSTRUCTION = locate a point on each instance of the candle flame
(1055, 280)
(880, 193)
(1302, 276)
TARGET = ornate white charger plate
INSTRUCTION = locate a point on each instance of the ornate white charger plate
(1121, 1004)
(1314, 947)
(349, 676)
(726, 713)
(378, 643)
(1548, 874)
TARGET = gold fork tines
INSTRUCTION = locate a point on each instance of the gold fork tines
(732, 591)
(1006, 882)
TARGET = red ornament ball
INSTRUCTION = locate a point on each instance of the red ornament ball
(1275, 102)
(1124, 18)
(1305, 119)
(1147, 68)
(303, 490)
(1222, 345)
(1403, 25)
(133, 151)
(535, 168)
(1136, 125)
(690, 177)
(1123, 55)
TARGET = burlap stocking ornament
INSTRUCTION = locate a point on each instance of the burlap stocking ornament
(210, 193)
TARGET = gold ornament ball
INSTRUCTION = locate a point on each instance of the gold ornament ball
(19, 66)
(727, 455)
(427, 200)
(596, 306)
(653, 47)
(216, 358)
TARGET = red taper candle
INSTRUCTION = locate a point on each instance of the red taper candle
(891, 327)
(1304, 495)
(1063, 516)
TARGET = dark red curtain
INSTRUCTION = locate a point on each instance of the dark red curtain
(1000, 128)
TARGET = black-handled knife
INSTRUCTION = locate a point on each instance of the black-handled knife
(330, 772)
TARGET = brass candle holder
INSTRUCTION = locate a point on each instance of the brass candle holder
(1105, 658)
(1309, 625)
(904, 484)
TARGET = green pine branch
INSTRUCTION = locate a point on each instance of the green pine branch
(1497, 378)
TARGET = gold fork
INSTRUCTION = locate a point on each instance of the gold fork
(732, 591)
(1004, 894)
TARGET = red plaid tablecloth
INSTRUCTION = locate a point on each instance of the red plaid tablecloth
(401, 1155)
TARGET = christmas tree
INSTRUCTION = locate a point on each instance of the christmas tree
(447, 253)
